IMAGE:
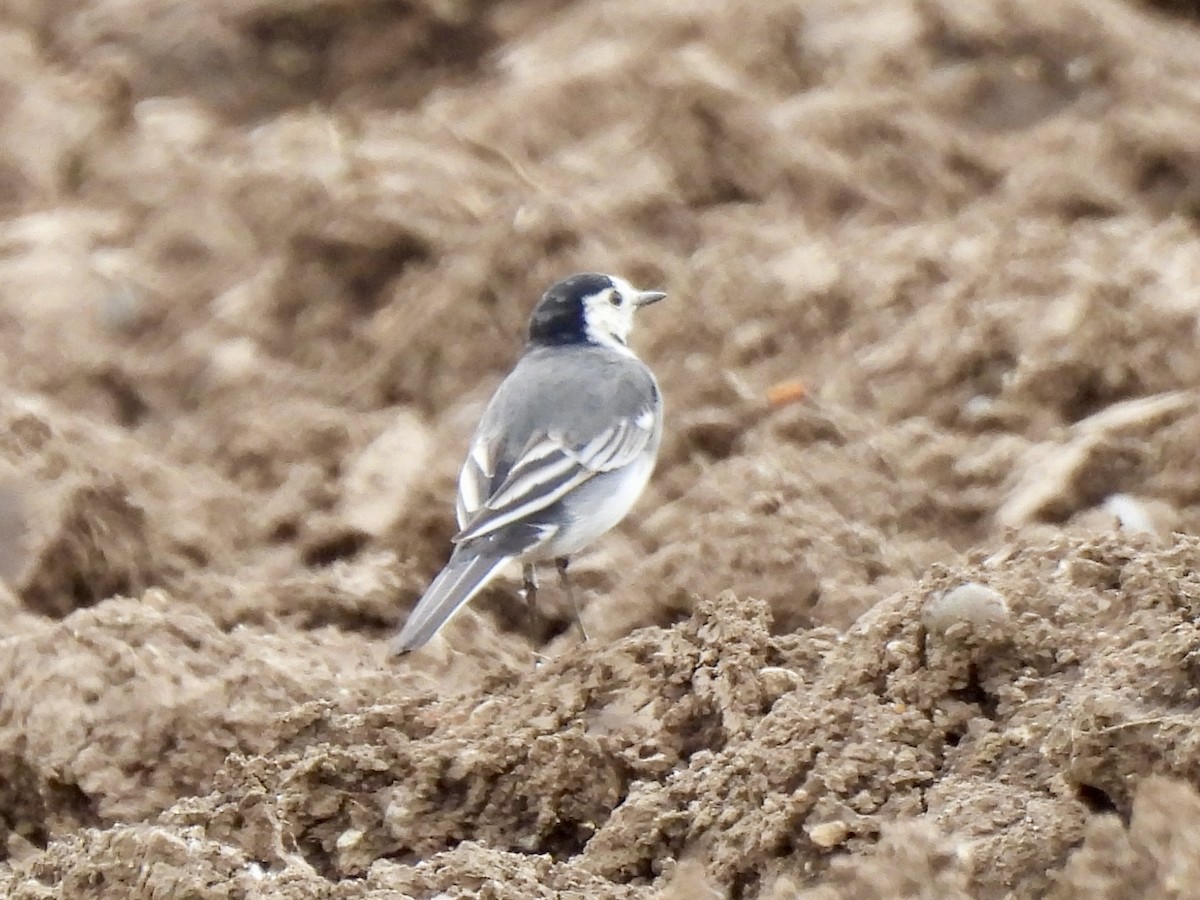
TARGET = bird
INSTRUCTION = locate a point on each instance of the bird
(564, 448)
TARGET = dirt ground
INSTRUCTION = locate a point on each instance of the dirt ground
(911, 607)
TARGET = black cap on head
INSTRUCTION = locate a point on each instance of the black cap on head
(559, 316)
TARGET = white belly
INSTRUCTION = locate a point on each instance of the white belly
(607, 499)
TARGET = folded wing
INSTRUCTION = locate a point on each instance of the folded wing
(547, 469)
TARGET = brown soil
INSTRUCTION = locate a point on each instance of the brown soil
(911, 608)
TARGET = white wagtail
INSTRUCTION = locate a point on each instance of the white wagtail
(564, 449)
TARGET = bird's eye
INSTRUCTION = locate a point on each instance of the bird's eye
(615, 298)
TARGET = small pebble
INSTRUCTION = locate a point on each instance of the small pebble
(828, 834)
(1130, 513)
(971, 603)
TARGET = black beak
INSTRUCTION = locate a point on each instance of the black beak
(645, 298)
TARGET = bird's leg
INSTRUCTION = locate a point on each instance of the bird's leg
(530, 574)
(531, 588)
(561, 563)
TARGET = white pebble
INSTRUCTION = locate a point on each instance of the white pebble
(972, 603)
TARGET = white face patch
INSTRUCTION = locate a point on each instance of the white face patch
(609, 314)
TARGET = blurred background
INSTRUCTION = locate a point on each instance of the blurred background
(934, 278)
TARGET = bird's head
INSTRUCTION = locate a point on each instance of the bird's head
(589, 308)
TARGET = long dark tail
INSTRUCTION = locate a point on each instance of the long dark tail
(463, 577)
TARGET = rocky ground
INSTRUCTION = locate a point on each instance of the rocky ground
(911, 606)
